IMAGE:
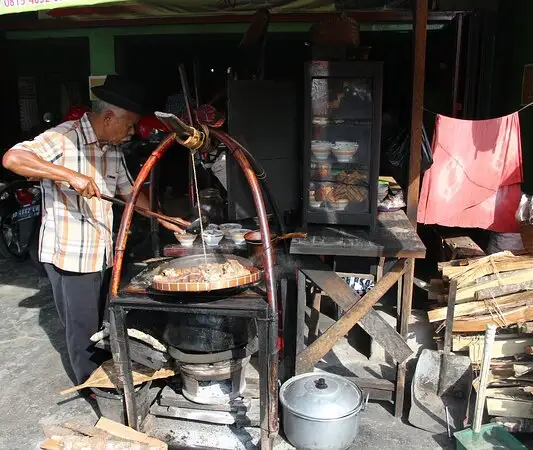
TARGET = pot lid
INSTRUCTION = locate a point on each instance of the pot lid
(321, 396)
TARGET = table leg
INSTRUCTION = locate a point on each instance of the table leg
(404, 316)
(121, 357)
(263, 331)
(300, 315)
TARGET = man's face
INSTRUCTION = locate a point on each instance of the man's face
(119, 126)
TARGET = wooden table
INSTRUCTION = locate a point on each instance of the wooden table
(393, 237)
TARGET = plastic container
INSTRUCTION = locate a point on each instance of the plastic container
(491, 437)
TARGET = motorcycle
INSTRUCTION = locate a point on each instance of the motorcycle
(20, 217)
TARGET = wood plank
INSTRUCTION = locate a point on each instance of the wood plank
(372, 323)
(463, 246)
(460, 343)
(481, 307)
(420, 8)
(306, 359)
(509, 393)
(510, 408)
(468, 293)
(124, 432)
(504, 318)
(499, 291)
(501, 348)
(141, 353)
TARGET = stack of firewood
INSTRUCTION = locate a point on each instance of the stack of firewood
(496, 289)
(105, 435)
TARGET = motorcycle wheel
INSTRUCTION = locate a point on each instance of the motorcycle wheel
(10, 247)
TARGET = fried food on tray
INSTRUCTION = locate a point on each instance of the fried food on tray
(204, 273)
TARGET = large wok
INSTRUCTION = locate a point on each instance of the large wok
(196, 260)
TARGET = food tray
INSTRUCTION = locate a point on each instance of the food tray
(195, 260)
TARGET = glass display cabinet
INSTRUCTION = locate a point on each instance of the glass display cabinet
(342, 142)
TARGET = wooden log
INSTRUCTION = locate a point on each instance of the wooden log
(520, 277)
(306, 359)
(463, 247)
(510, 408)
(141, 353)
(499, 291)
(477, 307)
(505, 318)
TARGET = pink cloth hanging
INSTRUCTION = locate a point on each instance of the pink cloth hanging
(474, 181)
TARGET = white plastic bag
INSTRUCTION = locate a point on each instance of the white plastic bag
(524, 211)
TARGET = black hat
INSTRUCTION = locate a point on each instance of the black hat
(123, 93)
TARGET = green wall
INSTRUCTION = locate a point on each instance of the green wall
(514, 49)
(102, 42)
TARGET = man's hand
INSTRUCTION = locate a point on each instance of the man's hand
(84, 185)
(171, 227)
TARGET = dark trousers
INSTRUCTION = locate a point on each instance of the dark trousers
(80, 300)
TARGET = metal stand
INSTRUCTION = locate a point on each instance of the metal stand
(250, 304)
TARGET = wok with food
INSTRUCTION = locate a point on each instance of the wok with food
(197, 273)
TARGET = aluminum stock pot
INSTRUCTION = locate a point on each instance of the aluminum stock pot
(321, 411)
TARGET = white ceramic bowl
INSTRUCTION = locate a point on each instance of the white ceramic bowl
(344, 156)
(227, 227)
(314, 203)
(321, 149)
(187, 239)
(341, 204)
(346, 145)
(237, 235)
(213, 237)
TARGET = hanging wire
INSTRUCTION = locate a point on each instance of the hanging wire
(438, 114)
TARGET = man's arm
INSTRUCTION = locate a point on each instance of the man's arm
(29, 165)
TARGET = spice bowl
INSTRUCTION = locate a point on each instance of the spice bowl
(213, 237)
(227, 228)
(237, 235)
(186, 239)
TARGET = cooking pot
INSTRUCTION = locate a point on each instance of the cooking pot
(256, 249)
(208, 333)
(321, 411)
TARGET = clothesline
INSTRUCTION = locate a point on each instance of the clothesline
(437, 114)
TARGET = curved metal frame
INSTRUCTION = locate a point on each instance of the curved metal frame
(238, 151)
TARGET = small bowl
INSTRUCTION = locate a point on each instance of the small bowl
(227, 227)
(321, 149)
(341, 204)
(237, 235)
(314, 203)
(346, 145)
(344, 156)
(213, 237)
(187, 239)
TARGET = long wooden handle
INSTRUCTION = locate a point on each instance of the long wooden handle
(484, 378)
(147, 212)
(291, 236)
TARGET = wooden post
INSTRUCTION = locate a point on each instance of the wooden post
(417, 112)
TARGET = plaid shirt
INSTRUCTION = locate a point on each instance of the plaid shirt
(76, 232)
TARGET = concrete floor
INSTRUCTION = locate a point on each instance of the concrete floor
(32, 374)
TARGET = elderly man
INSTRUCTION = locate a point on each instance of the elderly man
(76, 162)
